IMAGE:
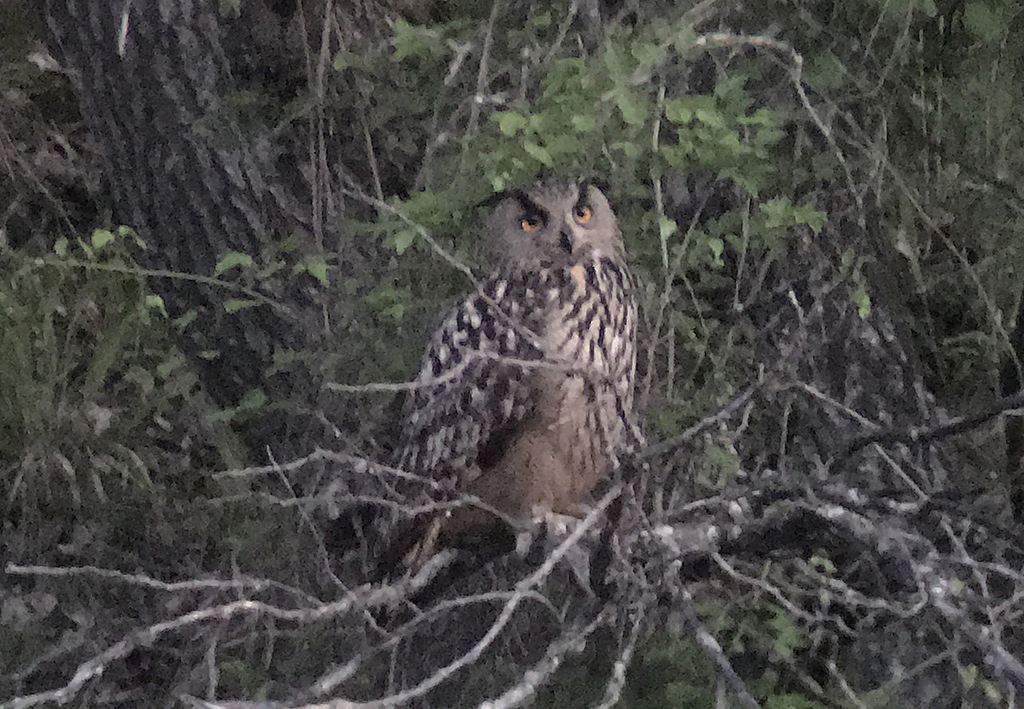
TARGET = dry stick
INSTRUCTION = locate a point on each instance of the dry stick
(924, 435)
(1008, 667)
(354, 192)
(409, 510)
(990, 305)
(307, 520)
(563, 30)
(533, 678)
(833, 669)
(514, 697)
(365, 598)
(317, 138)
(521, 590)
(65, 263)
(869, 146)
(481, 77)
(335, 677)
(358, 463)
(713, 651)
(666, 298)
(936, 589)
(763, 586)
(144, 581)
(454, 373)
(659, 210)
(723, 412)
(617, 682)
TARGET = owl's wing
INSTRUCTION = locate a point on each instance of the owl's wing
(474, 388)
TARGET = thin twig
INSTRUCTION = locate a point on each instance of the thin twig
(481, 76)
(367, 597)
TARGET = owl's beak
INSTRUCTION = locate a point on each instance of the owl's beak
(565, 240)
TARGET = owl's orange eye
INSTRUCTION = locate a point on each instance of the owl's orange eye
(581, 213)
(530, 223)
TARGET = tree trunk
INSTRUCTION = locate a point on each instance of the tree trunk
(152, 77)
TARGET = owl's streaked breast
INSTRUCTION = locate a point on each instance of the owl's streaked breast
(592, 330)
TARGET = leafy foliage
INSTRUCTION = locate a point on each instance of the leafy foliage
(78, 330)
(718, 166)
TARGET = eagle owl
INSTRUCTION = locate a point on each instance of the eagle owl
(524, 395)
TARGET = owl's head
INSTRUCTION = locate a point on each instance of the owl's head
(552, 223)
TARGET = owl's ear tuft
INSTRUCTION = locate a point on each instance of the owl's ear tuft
(598, 182)
(494, 198)
(502, 195)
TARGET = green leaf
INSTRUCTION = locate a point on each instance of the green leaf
(787, 634)
(509, 122)
(648, 54)
(234, 304)
(415, 41)
(710, 117)
(101, 237)
(316, 266)
(403, 240)
(127, 232)
(230, 260)
(823, 563)
(724, 461)
(140, 377)
(678, 111)
(811, 216)
(539, 153)
(685, 39)
(628, 148)
(387, 302)
(731, 87)
(173, 361)
(632, 106)
(666, 420)
(583, 123)
(968, 675)
(780, 213)
(825, 71)
(61, 247)
(252, 400)
(717, 246)
(107, 350)
(541, 20)
(790, 701)
(862, 300)
(344, 59)
(982, 21)
(992, 692)
(731, 142)
(666, 227)
(155, 302)
(185, 320)
(615, 62)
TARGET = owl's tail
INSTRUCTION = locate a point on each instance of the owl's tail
(468, 529)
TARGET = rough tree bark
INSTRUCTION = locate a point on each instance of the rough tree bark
(152, 77)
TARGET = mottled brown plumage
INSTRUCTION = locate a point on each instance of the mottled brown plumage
(524, 396)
